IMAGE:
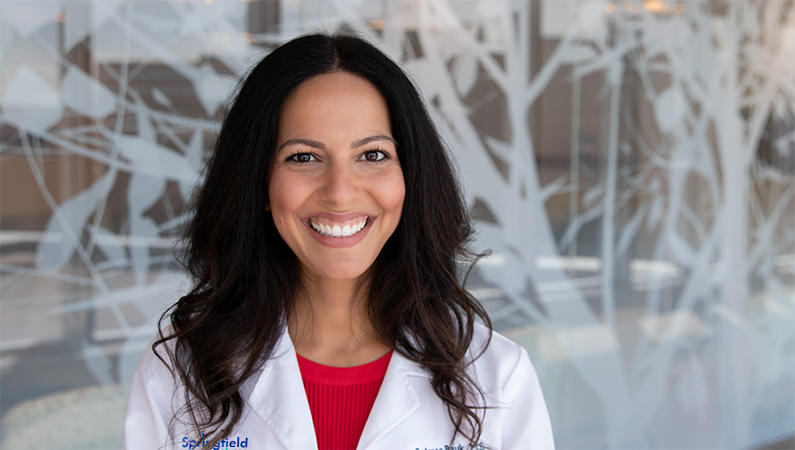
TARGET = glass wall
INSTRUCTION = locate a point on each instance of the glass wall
(630, 164)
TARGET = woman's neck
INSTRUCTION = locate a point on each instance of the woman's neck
(329, 323)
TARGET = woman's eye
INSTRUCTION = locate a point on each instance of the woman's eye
(301, 157)
(374, 155)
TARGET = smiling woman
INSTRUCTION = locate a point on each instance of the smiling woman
(326, 311)
(336, 186)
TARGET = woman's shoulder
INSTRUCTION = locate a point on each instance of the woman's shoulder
(497, 359)
(156, 400)
(509, 382)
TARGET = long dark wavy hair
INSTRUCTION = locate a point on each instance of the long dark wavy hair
(245, 275)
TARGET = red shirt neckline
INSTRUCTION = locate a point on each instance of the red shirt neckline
(344, 376)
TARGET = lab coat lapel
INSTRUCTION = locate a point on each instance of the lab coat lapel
(396, 400)
(279, 398)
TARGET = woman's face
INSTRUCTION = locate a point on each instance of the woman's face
(336, 187)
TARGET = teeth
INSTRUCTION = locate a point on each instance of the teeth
(337, 231)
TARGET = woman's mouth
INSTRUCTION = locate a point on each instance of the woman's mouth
(337, 229)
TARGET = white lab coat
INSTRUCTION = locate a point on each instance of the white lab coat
(406, 414)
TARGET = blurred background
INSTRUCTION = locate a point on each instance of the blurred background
(631, 165)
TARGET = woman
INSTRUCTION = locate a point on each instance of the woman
(326, 311)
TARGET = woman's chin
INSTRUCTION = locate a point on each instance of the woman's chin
(337, 273)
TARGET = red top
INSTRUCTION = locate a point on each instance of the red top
(340, 399)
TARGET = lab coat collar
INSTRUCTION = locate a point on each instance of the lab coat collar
(396, 400)
(280, 400)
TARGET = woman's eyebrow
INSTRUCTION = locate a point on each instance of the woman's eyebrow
(322, 146)
(367, 140)
(308, 142)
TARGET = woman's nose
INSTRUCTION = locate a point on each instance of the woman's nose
(339, 187)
